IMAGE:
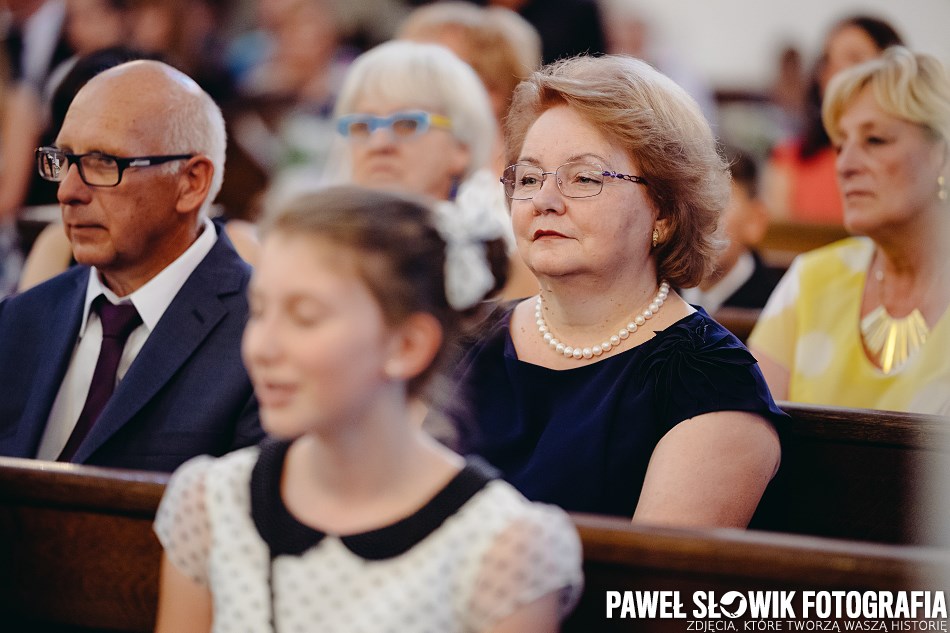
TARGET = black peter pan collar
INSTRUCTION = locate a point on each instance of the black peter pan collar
(285, 535)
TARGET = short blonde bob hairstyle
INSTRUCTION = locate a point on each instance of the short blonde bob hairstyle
(500, 45)
(909, 86)
(428, 76)
(662, 129)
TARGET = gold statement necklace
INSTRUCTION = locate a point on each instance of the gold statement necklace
(892, 342)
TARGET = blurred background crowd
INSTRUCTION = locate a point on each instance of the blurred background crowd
(276, 68)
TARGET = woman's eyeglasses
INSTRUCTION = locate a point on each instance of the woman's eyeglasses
(401, 125)
(574, 180)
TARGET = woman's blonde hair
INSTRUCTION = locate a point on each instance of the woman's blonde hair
(911, 86)
(662, 129)
(501, 46)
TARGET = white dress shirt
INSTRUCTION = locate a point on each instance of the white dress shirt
(151, 301)
(41, 33)
(713, 298)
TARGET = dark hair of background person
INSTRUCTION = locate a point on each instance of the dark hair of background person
(567, 27)
(814, 137)
(744, 170)
(86, 68)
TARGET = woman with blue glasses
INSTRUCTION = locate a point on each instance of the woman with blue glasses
(417, 119)
(606, 392)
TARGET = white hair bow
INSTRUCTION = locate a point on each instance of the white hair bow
(466, 225)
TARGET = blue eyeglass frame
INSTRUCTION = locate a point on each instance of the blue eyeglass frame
(424, 120)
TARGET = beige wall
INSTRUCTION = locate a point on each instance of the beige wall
(734, 43)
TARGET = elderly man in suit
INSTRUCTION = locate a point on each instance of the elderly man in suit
(132, 359)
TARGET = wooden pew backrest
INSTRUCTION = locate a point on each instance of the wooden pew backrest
(739, 321)
(77, 551)
(621, 557)
(857, 474)
(784, 240)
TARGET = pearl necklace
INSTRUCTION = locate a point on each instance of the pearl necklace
(570, 351)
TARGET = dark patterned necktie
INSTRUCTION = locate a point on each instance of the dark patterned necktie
(118, 321)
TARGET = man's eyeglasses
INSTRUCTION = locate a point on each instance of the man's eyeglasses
(95, 168)
(402, 125)
(574, 180)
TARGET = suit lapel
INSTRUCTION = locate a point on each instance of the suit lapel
(53, 356)
(189, 319)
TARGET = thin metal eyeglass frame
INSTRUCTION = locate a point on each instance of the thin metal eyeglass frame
(121, 162)
(424, 119)
(544, 174)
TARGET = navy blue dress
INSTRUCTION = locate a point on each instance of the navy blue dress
(582, 438)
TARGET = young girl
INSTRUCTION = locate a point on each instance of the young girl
(349, 518)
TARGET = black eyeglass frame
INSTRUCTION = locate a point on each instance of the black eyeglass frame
(122, 163)
(506, 182)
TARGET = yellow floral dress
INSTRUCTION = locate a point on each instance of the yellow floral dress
(810, 326)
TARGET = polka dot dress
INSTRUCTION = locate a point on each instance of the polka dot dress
(467, 559)
(811, 327)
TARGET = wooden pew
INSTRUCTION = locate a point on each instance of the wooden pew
(784, 240)
(857, 474)
(622, 557)
(77, 551)
(77, 554)
(739, 321)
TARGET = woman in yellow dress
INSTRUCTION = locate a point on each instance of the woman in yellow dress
(863, 322)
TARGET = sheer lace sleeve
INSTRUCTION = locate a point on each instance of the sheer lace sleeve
(536, 554)
(182, 523)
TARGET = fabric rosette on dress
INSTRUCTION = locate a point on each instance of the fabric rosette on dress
(692, 362)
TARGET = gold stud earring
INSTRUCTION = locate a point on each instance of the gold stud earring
(942, 192)
(656, 237)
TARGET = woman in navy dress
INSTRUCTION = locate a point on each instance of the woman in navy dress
(607, 392)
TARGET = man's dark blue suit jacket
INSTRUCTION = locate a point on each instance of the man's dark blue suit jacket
(187, 392)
